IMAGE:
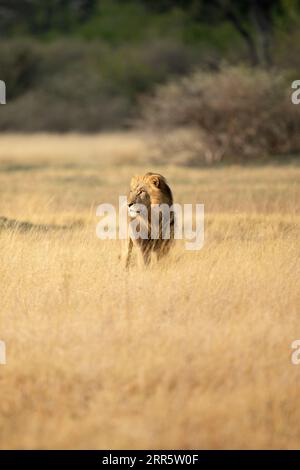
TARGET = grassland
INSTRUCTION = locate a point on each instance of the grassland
(191, 353)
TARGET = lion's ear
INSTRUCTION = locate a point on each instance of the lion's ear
(155, 181)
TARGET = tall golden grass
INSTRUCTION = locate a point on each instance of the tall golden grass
(194, 352)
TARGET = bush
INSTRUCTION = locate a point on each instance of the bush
(234, 114)
(86, 86)
(19, 66)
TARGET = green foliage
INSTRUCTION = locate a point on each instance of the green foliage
(89, 86)
(19, 66)
(85, 64)
(116, 23)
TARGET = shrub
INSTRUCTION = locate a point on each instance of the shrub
(86, 86)
(233, 114)
(19, 66)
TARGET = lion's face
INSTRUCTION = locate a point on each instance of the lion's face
(138, 195)
(149, 189)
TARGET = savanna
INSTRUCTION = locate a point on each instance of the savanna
(193, 352)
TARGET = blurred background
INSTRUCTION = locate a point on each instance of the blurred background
(209, 81)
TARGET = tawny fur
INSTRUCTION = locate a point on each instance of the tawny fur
(150, 189)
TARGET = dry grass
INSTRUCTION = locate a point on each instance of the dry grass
(192, 353)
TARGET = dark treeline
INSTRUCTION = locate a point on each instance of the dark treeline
(255, 21)
(86, 64)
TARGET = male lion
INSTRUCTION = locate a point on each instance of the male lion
(151, 191)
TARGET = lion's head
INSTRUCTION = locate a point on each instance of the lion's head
(149, 189)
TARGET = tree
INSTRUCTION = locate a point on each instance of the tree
(252, 19)
(41, 16)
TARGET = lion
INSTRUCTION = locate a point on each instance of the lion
(151, 191)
